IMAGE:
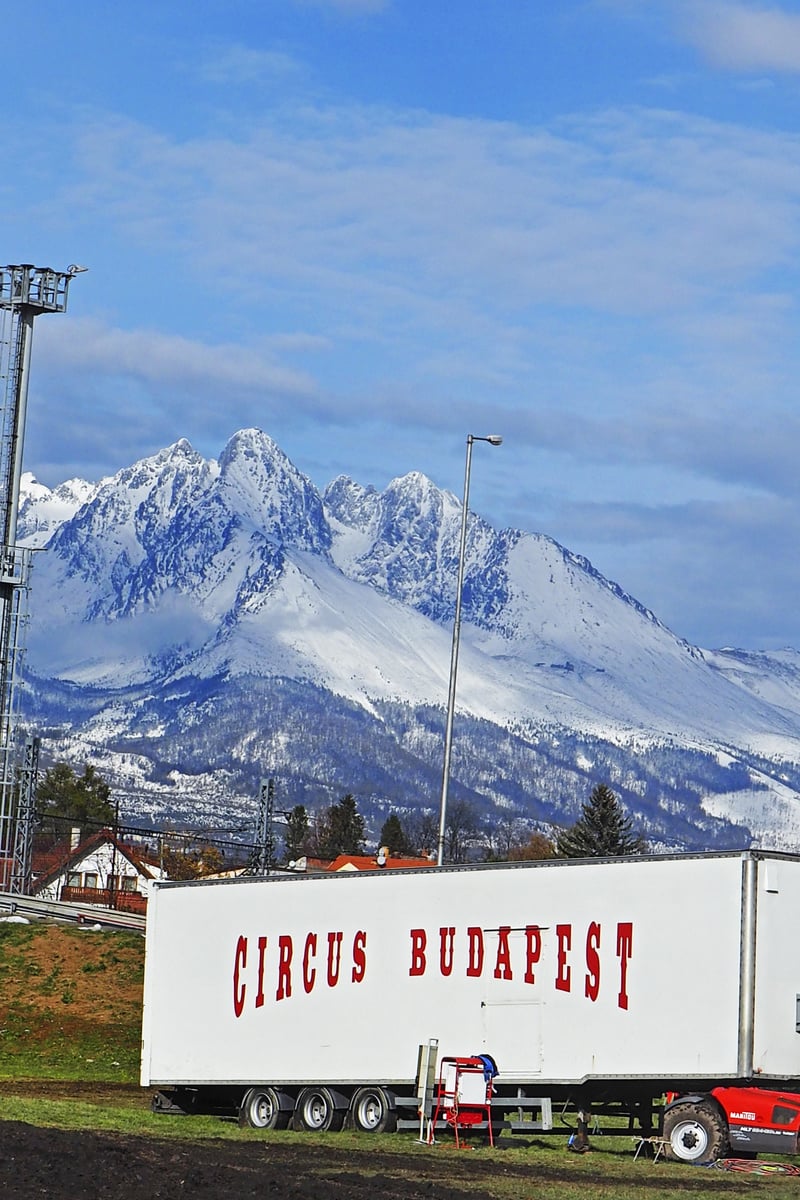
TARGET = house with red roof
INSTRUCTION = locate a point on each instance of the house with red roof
(100, 869)
(360, 862)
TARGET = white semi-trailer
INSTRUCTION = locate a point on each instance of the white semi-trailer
(317, 998)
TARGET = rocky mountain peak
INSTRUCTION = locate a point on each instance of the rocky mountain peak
(261, 484)
(194, 585)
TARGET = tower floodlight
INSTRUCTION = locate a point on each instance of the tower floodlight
(25, 292)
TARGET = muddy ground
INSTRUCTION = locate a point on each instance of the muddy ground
(66, 1165)
(79, 1165)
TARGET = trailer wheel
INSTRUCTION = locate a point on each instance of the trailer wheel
(694, 1133)
(372, 1112)
(261, 1109)
(316, 1111)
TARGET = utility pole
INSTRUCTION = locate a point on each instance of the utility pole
(25, 292)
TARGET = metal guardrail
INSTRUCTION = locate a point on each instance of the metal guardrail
(12, 904)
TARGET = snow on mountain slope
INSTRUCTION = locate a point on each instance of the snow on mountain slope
(579, 644)
(180, 570)
(42, 510)
(771, 675)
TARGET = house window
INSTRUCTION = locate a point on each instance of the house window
(90, 879)
(74, 879)
(128, 883)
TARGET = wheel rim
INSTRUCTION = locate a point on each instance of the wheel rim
(264, 1110)
(315, 1112)
(689, 1140)
(369, 1112)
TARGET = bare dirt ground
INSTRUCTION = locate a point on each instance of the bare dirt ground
(64, 1165)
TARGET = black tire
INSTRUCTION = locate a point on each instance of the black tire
(695, 1133)
(261, 1109)
(371, 1111)
(316, 1111)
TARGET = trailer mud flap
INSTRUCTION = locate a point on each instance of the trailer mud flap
(501, 1024)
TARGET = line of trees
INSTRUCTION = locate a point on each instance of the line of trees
(603, 829)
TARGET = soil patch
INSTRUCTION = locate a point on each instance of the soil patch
(80, 972)
(63, 1165)
(68, 1165)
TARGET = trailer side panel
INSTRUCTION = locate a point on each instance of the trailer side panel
(561, 971)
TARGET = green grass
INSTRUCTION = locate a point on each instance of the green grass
(70, 1009)
(516, 1170)
(70, 1003)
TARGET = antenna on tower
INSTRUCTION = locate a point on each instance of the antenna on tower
(25, 292)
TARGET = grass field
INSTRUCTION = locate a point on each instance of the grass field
(70, 1009)
(70, 1003)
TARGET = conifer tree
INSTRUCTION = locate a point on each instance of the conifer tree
(338, 829)
(395, 837)
(64, 799)
(296, 833)
(601, 831)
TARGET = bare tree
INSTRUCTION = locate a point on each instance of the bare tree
(462, 830)
(502, 833)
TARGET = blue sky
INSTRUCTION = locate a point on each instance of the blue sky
(371, 227)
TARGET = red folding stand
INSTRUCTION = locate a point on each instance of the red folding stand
(464, 1095)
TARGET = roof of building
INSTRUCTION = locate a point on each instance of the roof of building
(371, 862)
(48, 866)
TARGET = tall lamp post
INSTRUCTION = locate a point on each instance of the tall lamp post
(494, 440)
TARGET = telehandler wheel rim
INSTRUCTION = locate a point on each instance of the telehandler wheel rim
(689, 1140)
(695, 1132)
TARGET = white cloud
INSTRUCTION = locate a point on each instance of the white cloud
(426, 257)
(745, 37)
(442, 219)
(229, 64)
(615, 293)
(89, 347)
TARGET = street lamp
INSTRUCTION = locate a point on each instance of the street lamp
(494, 440)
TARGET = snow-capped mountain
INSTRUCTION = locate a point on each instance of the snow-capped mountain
(198, 625)
(42, 510)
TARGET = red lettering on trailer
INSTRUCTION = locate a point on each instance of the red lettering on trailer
(502, 966)
(624, 952)
(309, 971)
(475, 957)
(262, 949)
(563, 970)
(334, 958)
(446, 938)
(335, 965)
(284, 967)
(592, 987)
(533, 950)
(239, 963)
(419, 940)
(471, 950)
(359, 956)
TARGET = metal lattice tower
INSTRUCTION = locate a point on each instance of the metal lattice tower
(25, 292)
(23, 836)
(264, 849)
